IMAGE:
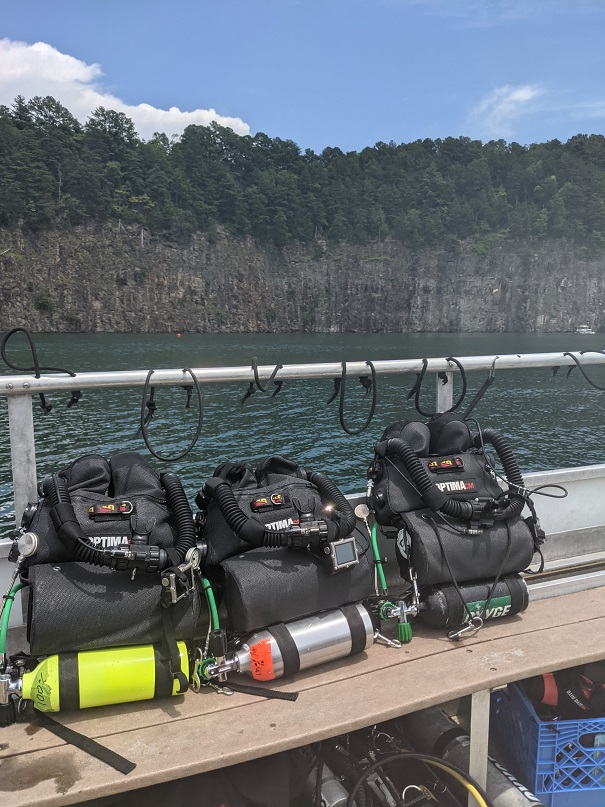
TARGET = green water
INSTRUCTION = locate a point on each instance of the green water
(551, 421)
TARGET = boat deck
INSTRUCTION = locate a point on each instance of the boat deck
(180, 737)
(194, 733)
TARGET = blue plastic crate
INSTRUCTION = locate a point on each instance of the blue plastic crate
(556, 759)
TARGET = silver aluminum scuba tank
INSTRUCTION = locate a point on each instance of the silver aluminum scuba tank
(333, 793)
(285, 649)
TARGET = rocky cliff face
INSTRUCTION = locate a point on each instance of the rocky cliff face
(116, 279)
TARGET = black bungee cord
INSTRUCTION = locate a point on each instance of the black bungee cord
(335, 391)
(259, 386)
(368, 384)
(415, 391)
(256, 384)
(148, 409)
(491, 377)
(249, 392)
(36, 368)
(578, 364)
(189, 392)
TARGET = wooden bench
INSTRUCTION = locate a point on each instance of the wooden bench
(194, 733)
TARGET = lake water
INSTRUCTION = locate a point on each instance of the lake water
(550, 421)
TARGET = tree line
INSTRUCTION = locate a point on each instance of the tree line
(57, 173)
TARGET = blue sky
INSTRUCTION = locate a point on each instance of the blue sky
(345, 73)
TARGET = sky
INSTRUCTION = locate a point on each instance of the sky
(323, 73)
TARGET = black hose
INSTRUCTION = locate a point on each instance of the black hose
(72, 536)
(66, 524)
(460, 775)
(511, 470)
(341, 764)
(245, 527)
(345, 517)
(253, 532)
(439, 501)
(177, 499)
(505, 454)
(87, 553)
(433, 497)
(242, 525)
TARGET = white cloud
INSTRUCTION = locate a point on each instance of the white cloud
(496, 112)
(40, 69)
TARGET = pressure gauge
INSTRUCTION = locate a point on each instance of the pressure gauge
(194, 557)
(27, 544)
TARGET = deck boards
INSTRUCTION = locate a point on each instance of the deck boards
(195, 733)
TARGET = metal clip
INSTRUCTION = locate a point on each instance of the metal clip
(385, 640)
(170, 595)
(222, 690)
(475, 624)
(197, 658)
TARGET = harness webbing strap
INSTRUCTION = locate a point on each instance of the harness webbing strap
(69, 687)
(357, 628)
(246, 689)
(170, 653)
(163, 677)
(517, 596)
(287, 648)
(86, 744)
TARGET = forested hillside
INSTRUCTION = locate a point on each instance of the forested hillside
(57, 174)
(212, 231)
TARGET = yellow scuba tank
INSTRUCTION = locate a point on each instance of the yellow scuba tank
(101, 677)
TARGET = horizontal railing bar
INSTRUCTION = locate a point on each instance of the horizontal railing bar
(28, 384)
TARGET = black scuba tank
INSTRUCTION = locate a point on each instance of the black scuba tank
(446, 607)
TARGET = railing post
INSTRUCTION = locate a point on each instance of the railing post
(23, 452)
(445, 392)
(479, 734)
(23, 459)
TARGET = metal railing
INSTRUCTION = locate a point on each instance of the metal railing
(19, 390)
